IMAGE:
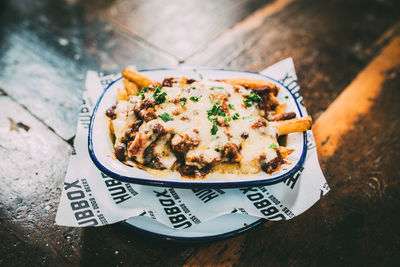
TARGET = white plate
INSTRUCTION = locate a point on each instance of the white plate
(225, 226)
(102, 153)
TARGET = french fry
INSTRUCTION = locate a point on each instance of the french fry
(112, 127)
(183, 81)
(248, 82)
(137, 78)
(130, 87)
(281, 109)
(294, 125)
(122, 95)
(285, 151)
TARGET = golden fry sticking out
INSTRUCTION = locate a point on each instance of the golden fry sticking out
(130, 87)
(137, 78)
(248, 82)
(294, 125)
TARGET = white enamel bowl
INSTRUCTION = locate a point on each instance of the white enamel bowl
(102, 153)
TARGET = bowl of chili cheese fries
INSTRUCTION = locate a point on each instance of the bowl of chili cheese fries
(192, 128)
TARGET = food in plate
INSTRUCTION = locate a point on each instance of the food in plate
(200, 126)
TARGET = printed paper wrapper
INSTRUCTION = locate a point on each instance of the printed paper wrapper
(91, 198)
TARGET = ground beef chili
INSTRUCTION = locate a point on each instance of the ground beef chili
(273, 165)
(268, 94)
(143, 105)
(167, 82)
(182, 144)
(288, 116)
(135, 126)
(159, 129)
(120, 150)
(111, 112)
(244, 135)
(194, 172)
(231, 151)
(261, 122)
(145, 111)
(266, 89)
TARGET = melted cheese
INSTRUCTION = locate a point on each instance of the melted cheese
(190, 117)
(165, 156)
(120, 122)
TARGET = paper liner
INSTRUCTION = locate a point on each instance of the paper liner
(90, 198)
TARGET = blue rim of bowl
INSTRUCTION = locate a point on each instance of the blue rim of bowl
(194, 239)
(150, 182)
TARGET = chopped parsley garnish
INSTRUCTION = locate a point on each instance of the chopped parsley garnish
(231, 106)
(273, 146)
(212, 88)
(247, 103)
(166, 117)
(250, 99)
(195, 98)
(217, 149)
(214, 129)
(254, 97)
(216, 110)
(142, 92)
(183, 100)
(201, 76)
(286, 97)
(193, 88)
(228, 119)
(159, 96)
(213, 120)
(220, 88)
(235, 116)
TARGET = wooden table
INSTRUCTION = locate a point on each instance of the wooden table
(347, 56)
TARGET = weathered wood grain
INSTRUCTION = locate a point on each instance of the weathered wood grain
(222, 253)
(43, 59)
(32, 170)
(364, 201)
(330, 42)
(41, 79)
(355, 100)
(116, 245)
(112, 50)
(186, 25)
